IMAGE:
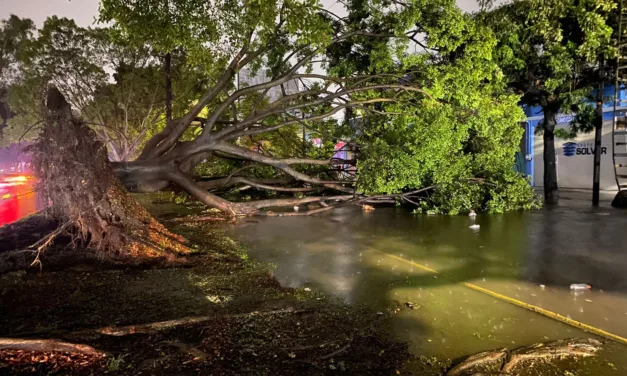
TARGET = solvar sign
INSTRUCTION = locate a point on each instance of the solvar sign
(572, 149)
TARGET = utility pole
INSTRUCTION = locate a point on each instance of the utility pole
(598, 135)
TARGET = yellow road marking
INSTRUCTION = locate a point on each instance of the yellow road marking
(530, 307)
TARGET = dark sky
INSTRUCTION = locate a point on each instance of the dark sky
(84, 11)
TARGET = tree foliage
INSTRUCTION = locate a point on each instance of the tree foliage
(114, 84)
(13, 33)
(550, 53)
(461, 139)
(549, 50)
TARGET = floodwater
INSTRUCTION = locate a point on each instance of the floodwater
(390, 257)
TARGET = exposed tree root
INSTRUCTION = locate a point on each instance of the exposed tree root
(75, 176)
(47, 345)
(502, 362)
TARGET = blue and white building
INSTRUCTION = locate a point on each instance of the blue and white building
(574, 156)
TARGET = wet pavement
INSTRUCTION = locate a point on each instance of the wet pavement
(390, 256)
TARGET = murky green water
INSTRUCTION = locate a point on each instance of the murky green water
(532, 257)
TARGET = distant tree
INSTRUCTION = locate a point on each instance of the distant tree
(13, 33)
(549, 51)
(116, 87)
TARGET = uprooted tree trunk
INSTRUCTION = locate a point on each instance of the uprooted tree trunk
(75, 178)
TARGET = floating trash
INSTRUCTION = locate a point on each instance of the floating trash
(580, 287)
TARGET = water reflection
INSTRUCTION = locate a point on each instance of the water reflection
(346, 252)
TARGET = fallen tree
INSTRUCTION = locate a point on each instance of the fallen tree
(407, 129)
(166, 160)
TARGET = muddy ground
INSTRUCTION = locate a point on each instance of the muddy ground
(246, 323)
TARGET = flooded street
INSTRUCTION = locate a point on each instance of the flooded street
(471, 290)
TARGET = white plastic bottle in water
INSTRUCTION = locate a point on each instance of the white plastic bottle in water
(580, 286)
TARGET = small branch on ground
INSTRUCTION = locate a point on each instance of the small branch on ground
(47, 345)
(336, 352)
(153, 327)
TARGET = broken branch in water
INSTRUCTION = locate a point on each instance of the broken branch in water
(504, 362)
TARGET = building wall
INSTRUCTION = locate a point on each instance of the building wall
(575, 160)
(575, 157)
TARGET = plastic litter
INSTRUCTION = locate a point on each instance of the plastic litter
(307, 289)
(474, 227)
(580, 287)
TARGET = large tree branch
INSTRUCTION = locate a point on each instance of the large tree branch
(276, 163)
(256, 205)
(163, 141)
(228, 181)
(259, 130)
(201, 194)
(254, 183)
(279, 81)
(250, 89)
(279, 110)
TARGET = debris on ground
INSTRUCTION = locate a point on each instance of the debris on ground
(580, 286)
(159, 320)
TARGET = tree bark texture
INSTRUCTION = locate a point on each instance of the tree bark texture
(76, 177)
